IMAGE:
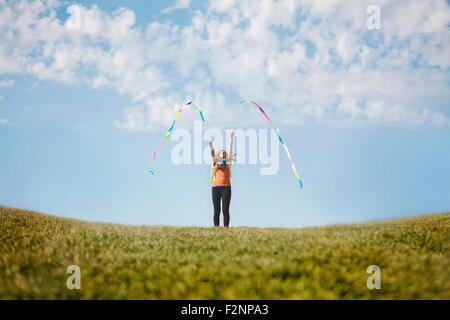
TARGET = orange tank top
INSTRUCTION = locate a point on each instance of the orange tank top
(222, 176)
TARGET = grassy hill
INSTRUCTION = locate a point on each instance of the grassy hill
(146, 262)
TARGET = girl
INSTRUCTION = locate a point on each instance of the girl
(221, 186)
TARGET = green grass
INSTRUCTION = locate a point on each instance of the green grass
(147, 262)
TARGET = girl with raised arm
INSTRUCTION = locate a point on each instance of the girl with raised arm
(221, 185)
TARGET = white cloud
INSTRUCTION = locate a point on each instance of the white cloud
(179, 4)
(305, 62)
(7, 83)
(3, 121)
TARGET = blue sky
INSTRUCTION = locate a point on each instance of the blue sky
(365, 113)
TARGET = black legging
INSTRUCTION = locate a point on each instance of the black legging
(225, 194)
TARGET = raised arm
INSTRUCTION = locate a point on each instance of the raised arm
(213, 154)
(230, 150)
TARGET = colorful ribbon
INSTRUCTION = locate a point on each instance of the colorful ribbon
(281, 140)
(220, 164)
(170, 131)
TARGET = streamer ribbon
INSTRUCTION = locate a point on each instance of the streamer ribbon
(171, 128)
(281, 140)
